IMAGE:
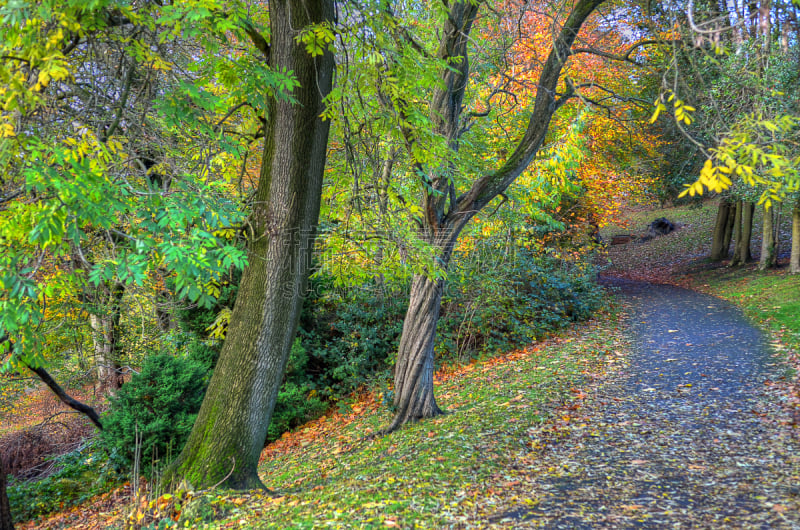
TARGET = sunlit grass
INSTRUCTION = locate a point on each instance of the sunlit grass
(436, 472)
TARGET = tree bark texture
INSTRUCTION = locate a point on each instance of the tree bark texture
(729, 228)
(794, 259)
(741, 253)
(105, 336)
(446, 213)
(226, 441)
(718, 249)
(769, 242)
(413, 379)
(6, 521)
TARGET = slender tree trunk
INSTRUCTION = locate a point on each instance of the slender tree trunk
(748, 208)
(6, 521)
(229, 433)
(739, 235)
(413, 386)
(769, 248)
(794, 260)
(718, 249)
(105, 335)
(729, 228)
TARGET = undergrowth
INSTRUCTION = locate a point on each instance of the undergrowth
(501, 413)
(78, 476)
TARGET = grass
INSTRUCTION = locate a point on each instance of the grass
(771, 298)
(436, 472)
(451, 470)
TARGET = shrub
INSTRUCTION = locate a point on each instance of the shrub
(510, 304)
(351, 339)
(297, 402)
(160, 404)
(203, 353)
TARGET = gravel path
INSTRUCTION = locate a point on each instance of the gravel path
(679, 438)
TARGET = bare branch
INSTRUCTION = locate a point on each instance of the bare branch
(626, 55)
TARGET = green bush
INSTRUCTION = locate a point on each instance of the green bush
(297, 402)
(494, 308)
(160, 404)
(203, 353)
(351, 339)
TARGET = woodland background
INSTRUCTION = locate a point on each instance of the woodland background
(384, 189)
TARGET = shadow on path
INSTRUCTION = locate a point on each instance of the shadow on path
(676, 439)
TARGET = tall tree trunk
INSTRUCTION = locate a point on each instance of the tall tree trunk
(229, 433)
(718, 249)
(6, 521)
(105, 335)
(794, 260)
(769, 247)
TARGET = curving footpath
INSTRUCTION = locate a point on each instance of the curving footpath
(680, 438)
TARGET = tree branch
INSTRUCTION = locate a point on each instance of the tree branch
(624, 56)
(64, 397)
(257, 38)
(58, 391)
(491, 185)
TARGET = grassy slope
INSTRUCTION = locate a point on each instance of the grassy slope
(445, 471)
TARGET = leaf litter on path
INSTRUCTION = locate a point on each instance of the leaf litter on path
(677, 438)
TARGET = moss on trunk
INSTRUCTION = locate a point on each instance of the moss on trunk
(226, 441)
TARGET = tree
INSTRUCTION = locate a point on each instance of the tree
(95, 99)
(445, 212)
(743, 233)
(769, 238)
(794, 260)
(6, 521)
(229, 433)
(720, 246)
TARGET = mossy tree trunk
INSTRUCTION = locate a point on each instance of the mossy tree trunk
(446, 211)
(6, 521)
(719, 250)
(769, 239)
(229, 433)
(794, 259)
